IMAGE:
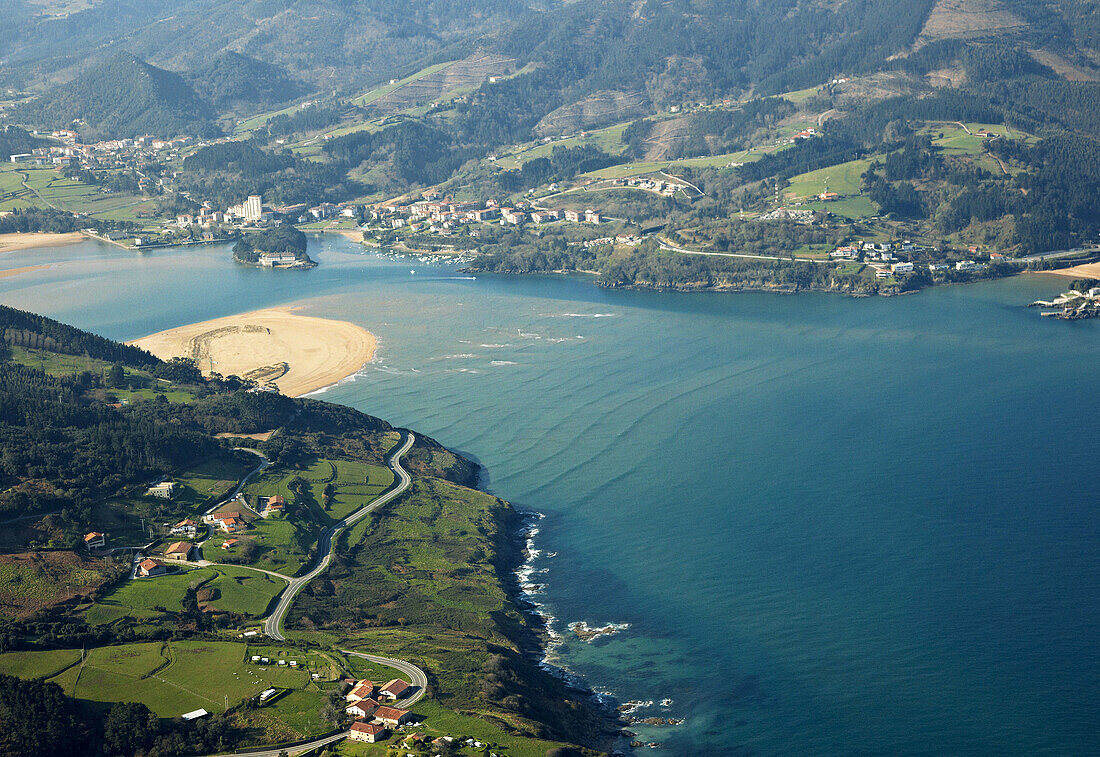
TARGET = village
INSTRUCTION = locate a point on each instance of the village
(369, 712)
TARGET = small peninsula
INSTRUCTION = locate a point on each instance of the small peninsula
(280, 247)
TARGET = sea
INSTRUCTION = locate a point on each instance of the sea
(810, 525)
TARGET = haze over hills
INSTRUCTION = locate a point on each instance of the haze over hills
(391, 100)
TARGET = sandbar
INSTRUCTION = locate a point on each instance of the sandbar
(26, 241)
(25, 269)
(298, 353)
(1085, 271)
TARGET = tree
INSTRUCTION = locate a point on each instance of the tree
(130, 727)
(116, 376)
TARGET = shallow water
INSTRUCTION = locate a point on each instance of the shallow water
(834, 526)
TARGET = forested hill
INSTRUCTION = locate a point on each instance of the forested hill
(123, 96)
(18, 327)
(234, 81)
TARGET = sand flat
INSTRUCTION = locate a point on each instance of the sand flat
(26, 241)
(298, 353)
(1085, 271)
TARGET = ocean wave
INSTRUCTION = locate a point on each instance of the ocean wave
(494, 346)
(503, 362)
(459, 356)
(586, 315)
(527, 335)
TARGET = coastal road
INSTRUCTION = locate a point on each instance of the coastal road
(416, 676)
(684, 251)
(326, 544)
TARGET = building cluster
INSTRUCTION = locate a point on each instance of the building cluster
(442, 214)
(630, 240)
(372, 719)
(666, 188)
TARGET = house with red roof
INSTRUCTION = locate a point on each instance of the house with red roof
(369, 732)
(364, 708)
(394, 690)
(391, 716)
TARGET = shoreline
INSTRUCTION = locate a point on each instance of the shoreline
(19, 240)
(298, 353)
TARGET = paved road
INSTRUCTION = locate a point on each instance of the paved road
(290, 750)
(416, 676)
(326, 543)
(673, 248)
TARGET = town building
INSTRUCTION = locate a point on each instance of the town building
(368, 732)
(163, 490)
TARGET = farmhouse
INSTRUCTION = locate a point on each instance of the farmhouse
(163, 490)
(369, 732)
(394, 690)
(391, 716)
(361, 690)
(230, 543)
(178, 550)
(94, 540)
(364, 708)
(276, 503)
(149, 567)
(187, 527)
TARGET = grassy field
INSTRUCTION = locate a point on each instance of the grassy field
(848, 207)
(174, 677)
(249, 125)
(148, 597)
(844, 179)
(49, 187)
(244, 591)
(374, 94)
(43, 664)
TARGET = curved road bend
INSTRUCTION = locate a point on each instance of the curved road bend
(416, 676)
(326, 543)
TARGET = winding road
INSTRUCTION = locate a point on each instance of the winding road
(326, 544)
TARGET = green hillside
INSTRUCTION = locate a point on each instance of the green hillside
(122, 96)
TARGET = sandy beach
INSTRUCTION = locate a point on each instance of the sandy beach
(1086, 271)
(298, 353)
(19, 241)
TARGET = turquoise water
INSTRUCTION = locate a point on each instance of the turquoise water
(834, 526)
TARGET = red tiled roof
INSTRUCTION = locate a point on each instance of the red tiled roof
(390, 713)
(178, 547)
(396, 687)
(148, 564)
(92, 536)
(372, 728)
(362, 689)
